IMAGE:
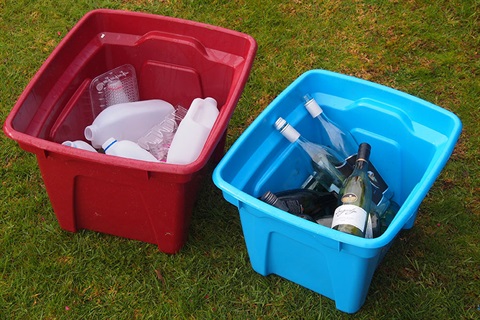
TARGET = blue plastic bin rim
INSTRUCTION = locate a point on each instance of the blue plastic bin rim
(414, 199)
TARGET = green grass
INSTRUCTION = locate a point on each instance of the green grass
(428, 49)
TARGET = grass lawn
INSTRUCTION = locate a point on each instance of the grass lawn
(430, 49)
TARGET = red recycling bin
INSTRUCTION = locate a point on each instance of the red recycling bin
(175, 60)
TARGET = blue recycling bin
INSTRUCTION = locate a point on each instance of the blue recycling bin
(411, 141)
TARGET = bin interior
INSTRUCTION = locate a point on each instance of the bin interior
(175, 60)
(411, 140)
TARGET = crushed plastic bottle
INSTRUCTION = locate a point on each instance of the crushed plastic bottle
(158, 140)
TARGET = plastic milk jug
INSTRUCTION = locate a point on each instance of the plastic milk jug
(127, 121)
(193, 131)
(127, 149)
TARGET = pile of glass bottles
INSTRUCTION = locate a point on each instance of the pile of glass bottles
(344, 191)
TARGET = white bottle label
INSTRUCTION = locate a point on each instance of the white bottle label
(350, 214)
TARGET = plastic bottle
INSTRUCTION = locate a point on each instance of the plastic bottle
(127, 149)
(193, 131)
(127, 121)
(158, 140)
(79, 144)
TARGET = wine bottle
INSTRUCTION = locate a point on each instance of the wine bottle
(292, 206)
(355, 197)
(388, 216)
(326, 162)
(308, 204)
(373, 229)
(345, 144)
(378, 224)
(313, 203)
(334, 137)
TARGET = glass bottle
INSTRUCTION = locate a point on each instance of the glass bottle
(373, 229)
(292, 206)
(388, 216)
(355, 197)
(313, 203)
(326, 162)
(344, 143)
(337, 139)
(308, 204)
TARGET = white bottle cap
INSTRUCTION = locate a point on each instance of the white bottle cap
(287, 130)
(313, 108)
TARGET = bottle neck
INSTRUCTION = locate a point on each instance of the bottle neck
(363, 156)
(361, 164)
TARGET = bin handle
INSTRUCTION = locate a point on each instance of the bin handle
(165, 36)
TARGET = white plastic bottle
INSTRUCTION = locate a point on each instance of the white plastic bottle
(127, 121)
(127, 149)
(79, 144)
(193, 131)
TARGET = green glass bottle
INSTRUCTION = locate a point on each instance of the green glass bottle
(307, 204)
(314, 203)
(355, 197)
(289, 204)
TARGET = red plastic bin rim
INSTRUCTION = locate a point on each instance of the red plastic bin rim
(165, 18)
(41, 145)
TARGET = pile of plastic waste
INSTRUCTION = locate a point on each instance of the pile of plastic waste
(150, 130)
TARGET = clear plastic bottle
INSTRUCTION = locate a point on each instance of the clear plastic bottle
(326, 162)
(158, 140)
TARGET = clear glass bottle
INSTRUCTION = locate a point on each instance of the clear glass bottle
(339, 140)
(326, 162)
(355, 197)
(345, 144)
